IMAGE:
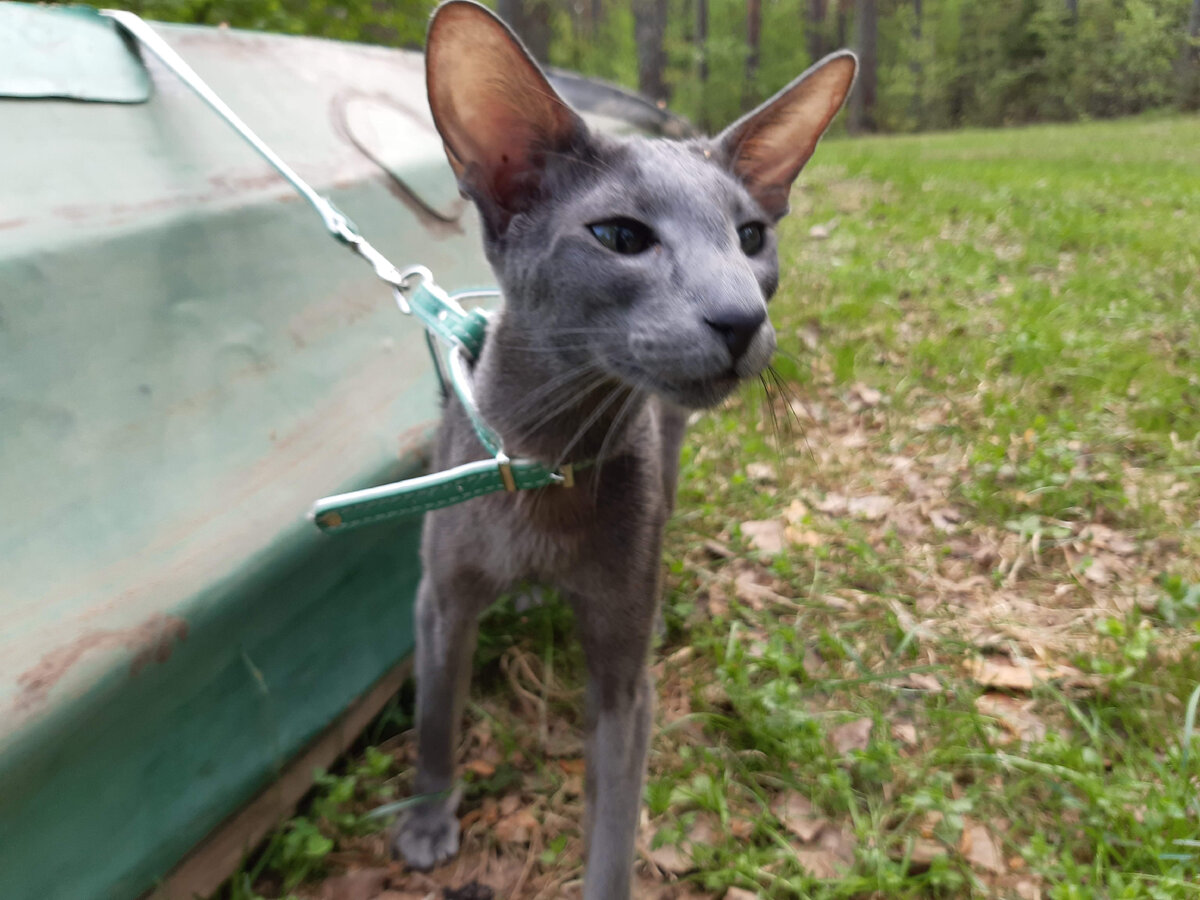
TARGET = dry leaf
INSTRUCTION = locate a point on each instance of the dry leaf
(717, 550)
(921, 681)
(1028, 890)
(852, 736)
(805, 537)
(1001, 675)
(358, 884)
(832, 855)
(718, 600)
(980, 849)
(1016, 716)
(737, 893)
(761, 472)
(765, 536)
(921, 854)
(1109, 539)
(833, 505)
(868, 395)
(481, 767)
(872, 507)
(572, 766)
(905, 733)
(1098, 573)
(741, 828)
(671, 859)
(796, 512)
(796, 813)
(516, 828)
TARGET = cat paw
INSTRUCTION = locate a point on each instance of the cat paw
(426, 837)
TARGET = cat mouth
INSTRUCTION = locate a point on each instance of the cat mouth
(691, 393)
(696, 393)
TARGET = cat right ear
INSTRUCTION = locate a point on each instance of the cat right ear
(496, 112)
(769, 146)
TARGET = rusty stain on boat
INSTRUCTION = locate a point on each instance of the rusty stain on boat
(152, 641)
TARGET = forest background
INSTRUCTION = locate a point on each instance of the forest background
(927, 64)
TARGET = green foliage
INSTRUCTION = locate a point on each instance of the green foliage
(964, 62)
(398, 23)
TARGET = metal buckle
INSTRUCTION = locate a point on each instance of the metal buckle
(408, 281)
(504, 464)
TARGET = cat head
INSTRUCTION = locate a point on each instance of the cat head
(651, 261)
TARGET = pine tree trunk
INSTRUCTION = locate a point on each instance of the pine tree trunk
(862, 104)
(753, 44)
(814, 30)
(1189, 62)
(530, 19)
(916, 106)
(649, 28)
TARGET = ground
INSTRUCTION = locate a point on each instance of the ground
(932, 592)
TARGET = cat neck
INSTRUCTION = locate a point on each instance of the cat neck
(546, 406)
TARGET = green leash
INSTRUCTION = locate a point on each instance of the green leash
(416, 294)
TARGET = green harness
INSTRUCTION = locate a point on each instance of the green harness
(416, 294)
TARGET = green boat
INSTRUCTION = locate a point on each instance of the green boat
(186, 363)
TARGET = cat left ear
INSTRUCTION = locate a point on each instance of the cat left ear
(769, 146)
(496, 112)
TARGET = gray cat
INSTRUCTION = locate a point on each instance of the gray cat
(636, 275)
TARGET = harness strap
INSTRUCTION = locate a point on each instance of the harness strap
(416, 294)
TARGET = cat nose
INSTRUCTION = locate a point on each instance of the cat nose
(737, 328)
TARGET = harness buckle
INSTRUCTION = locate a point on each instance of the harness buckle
(504, 464)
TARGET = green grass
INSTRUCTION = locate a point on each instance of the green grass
(999, 339)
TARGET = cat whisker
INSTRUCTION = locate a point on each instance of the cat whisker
(614, 430)
(591, 420)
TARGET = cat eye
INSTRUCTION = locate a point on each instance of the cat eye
(751, 237)
(626, 236)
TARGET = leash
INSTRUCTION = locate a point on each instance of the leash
(416, 294)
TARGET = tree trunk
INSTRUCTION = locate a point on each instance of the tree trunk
(530, 19)
(649, 27)
(916, 106)
(1073, 11)
(814, 30)
(1189, 62)
(753, 44)
(702, 39)
(843, 16)
(862, 104)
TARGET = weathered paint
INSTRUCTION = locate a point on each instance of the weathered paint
(188, 362)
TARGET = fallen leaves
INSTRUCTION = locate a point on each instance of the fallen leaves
(979, 848)
(855, 735)
(795, 813)
(765, 536)
(995, 673)
(518, 827)
(1016, 716)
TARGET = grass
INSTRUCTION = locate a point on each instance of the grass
(970, 670)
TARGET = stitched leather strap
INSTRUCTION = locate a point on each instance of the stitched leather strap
(416, 496)
(442, 315)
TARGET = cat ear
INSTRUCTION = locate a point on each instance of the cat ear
(496, 112)
(768, 147)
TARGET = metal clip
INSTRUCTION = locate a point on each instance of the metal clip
(408, 281)
(568, 475)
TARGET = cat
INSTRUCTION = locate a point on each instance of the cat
(635, 275)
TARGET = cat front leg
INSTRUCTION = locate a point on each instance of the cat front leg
(447, 625)
(620, 711)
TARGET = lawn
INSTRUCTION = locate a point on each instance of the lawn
(932, 603)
